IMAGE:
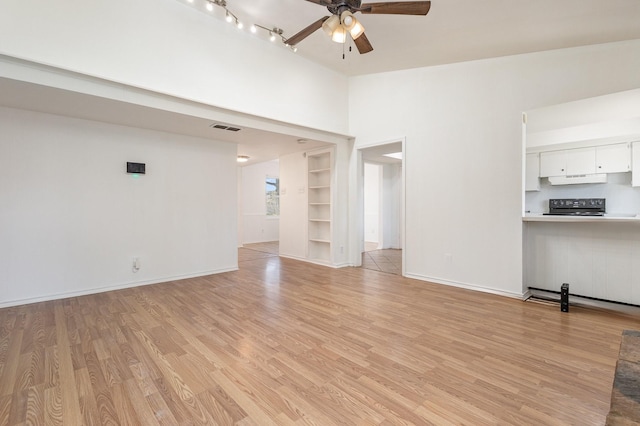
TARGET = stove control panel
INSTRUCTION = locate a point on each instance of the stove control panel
(577, 206)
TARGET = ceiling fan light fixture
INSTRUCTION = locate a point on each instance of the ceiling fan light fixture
(351, 24)
(357, 30)
(339, 34)
(330, 25)
(347, 19)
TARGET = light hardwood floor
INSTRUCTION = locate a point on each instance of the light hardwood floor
(284, 342)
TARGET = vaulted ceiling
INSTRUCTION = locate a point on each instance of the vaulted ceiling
(453, 31)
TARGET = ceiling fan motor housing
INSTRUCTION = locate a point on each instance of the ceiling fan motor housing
(341, 5)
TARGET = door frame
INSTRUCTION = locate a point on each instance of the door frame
(357, 204)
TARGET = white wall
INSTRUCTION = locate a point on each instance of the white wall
(372, 192)
(72, 219)
(392, 206)
(462, 124)
(169, 47)
(293, 205)
(257, 227)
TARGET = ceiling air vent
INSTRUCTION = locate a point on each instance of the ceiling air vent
(225, 127)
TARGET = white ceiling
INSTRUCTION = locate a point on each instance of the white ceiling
(453, 31)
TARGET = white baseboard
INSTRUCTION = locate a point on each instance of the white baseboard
(288, 256)
(95, 290)
(466, 286)
(317, 262)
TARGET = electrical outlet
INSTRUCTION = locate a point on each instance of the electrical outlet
(136, 264)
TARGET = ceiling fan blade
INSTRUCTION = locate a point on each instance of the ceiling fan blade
(321, 2)
(363, 44)
(397, 8)
(293, 40)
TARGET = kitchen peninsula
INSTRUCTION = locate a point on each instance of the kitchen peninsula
(587, 149)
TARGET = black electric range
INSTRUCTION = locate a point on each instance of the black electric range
(577, 207)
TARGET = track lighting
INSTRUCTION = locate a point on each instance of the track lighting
(274, 33)
(231, 18)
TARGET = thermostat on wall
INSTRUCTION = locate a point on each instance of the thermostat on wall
(137, 168)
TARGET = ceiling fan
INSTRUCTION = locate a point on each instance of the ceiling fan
(342, 20)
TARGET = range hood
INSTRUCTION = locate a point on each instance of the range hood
(576, 179)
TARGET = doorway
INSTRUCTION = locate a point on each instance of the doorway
(382, 208)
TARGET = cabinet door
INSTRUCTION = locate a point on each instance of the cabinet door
(532, 173)
(581, 161)
(613, 158)
(553, 163)
(635, 165)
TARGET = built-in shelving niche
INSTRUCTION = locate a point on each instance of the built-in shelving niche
(320, 170)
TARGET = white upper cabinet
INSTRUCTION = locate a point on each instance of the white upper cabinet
(553, 163)
(581, 161)
(613, 158)
(532, 173)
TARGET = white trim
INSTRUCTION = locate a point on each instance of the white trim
(385, 142)
(302, 259)
(466, 286)
(355, 230)
(96, 290)
(403, 205)
(317, 262)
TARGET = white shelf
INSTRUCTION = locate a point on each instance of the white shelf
(319, 166)
(320, 170)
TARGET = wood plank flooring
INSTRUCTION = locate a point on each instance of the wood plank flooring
(282, 342)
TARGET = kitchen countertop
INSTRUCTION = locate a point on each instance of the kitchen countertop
(539, 217)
